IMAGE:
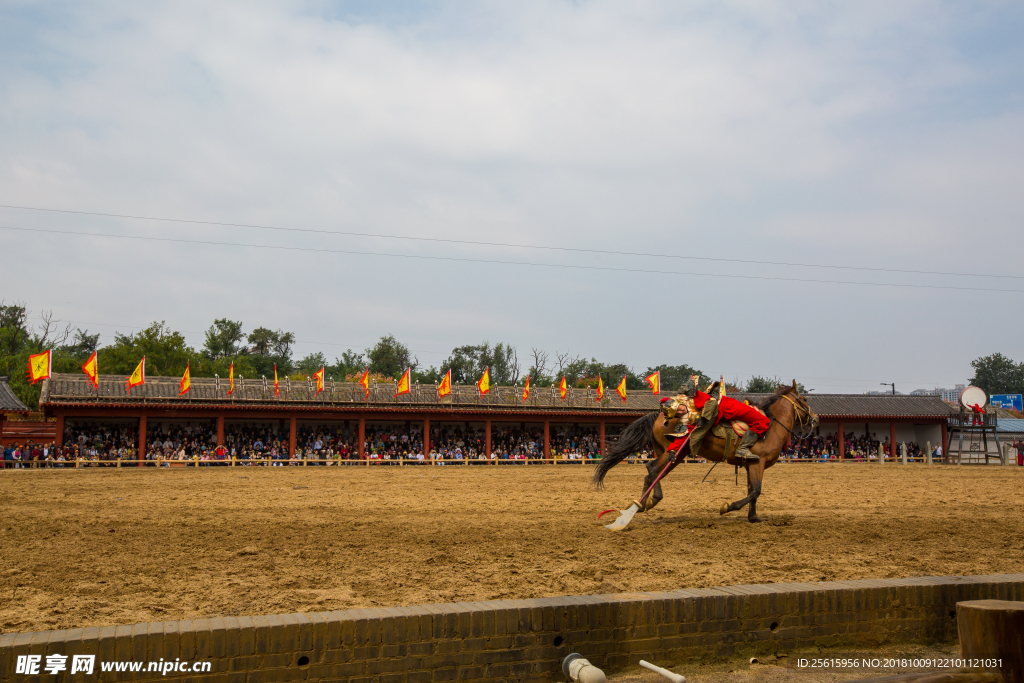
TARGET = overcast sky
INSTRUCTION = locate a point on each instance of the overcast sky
(886, 136)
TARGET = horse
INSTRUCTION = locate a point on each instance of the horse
(787, 410)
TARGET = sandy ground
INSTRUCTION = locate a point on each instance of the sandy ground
(104, 546)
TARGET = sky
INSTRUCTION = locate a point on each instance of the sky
(827, 192)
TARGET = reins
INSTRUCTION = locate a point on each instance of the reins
(797, 418)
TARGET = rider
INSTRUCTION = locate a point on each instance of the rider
(691, 407)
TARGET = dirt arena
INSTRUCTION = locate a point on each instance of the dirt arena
(105, 546)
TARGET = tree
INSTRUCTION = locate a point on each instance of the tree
(223, 339)
(997, 374)
(349, 364)
(14, 327)
(673, 377)
(539, 368)
(762, 385)
(390, 357)
(269, 348)
(311, 363)
(165, 350)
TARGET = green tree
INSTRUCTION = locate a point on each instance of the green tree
(673, 377)
(224, 339)
(311, 363)
(165, 350)
(269, 348)
(350, 363)
(762, 385)
(997, 374)
(467, 363)
(390, 357)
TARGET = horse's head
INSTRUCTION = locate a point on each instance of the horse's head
(805, 421)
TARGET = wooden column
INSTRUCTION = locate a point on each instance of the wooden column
(220, 430)
(142, 440)
(892, 441)
(487, 439)
(945, 441)
(426, 438)
(291, 437)
(362, 438)
(842, 441)
(547, 440)
(993, 629)
(601, 440)
(60, 428)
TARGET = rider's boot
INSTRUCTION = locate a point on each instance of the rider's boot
(743, 447)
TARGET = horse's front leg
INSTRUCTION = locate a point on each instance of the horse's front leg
(654, 468)
(755, 472)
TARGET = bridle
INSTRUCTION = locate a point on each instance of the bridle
(805, 429)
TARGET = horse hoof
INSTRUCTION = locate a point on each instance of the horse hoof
(725, 508)
(753, 520)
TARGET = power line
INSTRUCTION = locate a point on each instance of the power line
(511, 263)
(505, 244)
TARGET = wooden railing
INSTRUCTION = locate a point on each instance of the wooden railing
(62, 388)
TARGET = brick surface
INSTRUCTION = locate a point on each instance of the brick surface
(515, 639)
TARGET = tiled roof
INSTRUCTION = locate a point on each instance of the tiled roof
(72, 389)
(1012, 425)
(8, 401)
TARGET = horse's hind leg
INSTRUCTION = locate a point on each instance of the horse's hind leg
(755, 472)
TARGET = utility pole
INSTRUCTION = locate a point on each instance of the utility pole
(890, 384)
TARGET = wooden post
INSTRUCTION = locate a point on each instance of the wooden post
(842, 442)
(928, 452)
(220, 430)
(945, 440)
(142, 440)
(903, 454)
(881, 455)
(993, 629)
(362, 438)
(426, 438)
(291, 437)
(547, 440)
(487, 438)
(892, 441)
(60, 428)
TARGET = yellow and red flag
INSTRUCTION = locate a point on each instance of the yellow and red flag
(138, 377)
(91, 368)
(186, 380)
(526, 389)
(231, 379)
(365, 382)
(563, 388)
(39, 366)
(276, 390)
(484, 383)
(404, 383)
(654, 382)
(445, 387)
(621, 389)
(600, 388)
(319, 377)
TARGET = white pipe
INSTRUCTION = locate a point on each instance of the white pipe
(580, 670)
(675, 678)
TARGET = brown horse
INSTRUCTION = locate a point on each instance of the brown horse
(790, 417)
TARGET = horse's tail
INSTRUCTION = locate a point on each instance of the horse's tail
(632, 439)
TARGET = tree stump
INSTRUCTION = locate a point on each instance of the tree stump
(993, 628)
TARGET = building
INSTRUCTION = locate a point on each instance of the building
(70, 397)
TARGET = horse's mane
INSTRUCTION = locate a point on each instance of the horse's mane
(777, 396)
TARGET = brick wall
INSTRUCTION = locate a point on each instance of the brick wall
(526, 640)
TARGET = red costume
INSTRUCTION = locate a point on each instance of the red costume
(731, 409)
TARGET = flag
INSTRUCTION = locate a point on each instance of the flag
(600, 388)
(91, 368)
(319, 377)
(365, 381)
(621, 389)
(186, 381)
(721, 387)
(445, 387)
(484, 383)
(563, 388)
(138, 377)
(526, 389)
(404, 384)
(231, 379)
(276, 391)
(654, 381)
(39, 366)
